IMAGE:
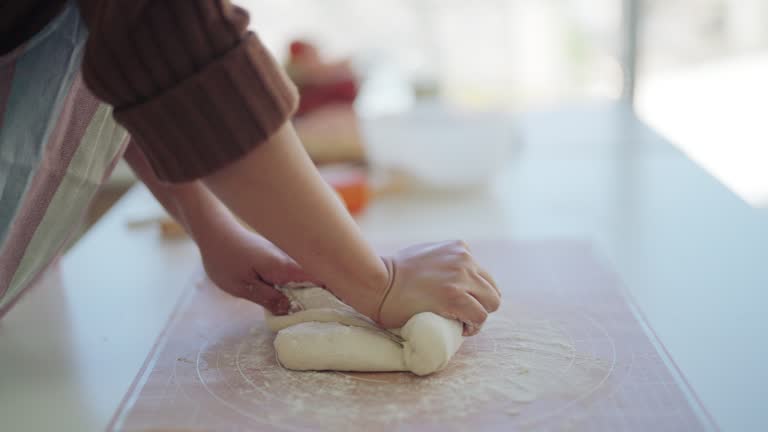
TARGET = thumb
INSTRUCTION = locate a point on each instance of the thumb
(267, 296)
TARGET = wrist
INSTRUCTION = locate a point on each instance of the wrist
(391, 274)
(366, 291)
(216, 237)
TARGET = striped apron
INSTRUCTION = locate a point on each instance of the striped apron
(58, 143)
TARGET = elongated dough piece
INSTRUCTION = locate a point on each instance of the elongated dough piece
(333, 346)
(327, 334)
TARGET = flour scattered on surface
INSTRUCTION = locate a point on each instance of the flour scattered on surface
(510, 365)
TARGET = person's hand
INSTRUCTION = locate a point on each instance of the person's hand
(248, 266)
(438, 277)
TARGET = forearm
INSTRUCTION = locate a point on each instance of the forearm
(191, 204)
(277, 190)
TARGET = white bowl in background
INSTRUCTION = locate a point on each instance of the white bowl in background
(440, 147)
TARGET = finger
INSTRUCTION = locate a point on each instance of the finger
(470, 312)
(297, 274)
(484, 293)
(462, 244)
(287, 272)
(266, 296)
(487, 276)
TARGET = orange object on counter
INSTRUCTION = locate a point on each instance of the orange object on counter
(351, 183)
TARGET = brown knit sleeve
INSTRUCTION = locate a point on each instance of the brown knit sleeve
(193, 87)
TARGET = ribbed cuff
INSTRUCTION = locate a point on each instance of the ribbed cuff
(214, 117)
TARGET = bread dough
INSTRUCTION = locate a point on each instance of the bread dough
(326, 334)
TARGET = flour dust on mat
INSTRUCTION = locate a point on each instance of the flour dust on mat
(508, 367)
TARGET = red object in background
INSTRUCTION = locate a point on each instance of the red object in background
(315, 96)
(351, 183)
(339, 87)
(298, 48)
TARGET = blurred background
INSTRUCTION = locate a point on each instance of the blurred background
(440, 73)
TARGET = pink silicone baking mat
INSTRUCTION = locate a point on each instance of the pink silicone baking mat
(567, 351)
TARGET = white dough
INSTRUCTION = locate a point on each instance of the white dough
(327, 334)
(334, 346)
(431, 341)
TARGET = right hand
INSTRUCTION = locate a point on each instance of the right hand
(438, 277)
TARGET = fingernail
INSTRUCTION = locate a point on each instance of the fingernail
(471, 329)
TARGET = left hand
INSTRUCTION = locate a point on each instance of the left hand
(246, 265)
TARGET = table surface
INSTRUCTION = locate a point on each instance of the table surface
(690, 252)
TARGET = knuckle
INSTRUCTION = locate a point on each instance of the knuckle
(482, 316)
(464, 254)
(461, 243)
(461, 261)
(454, 292)
(495, 304)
